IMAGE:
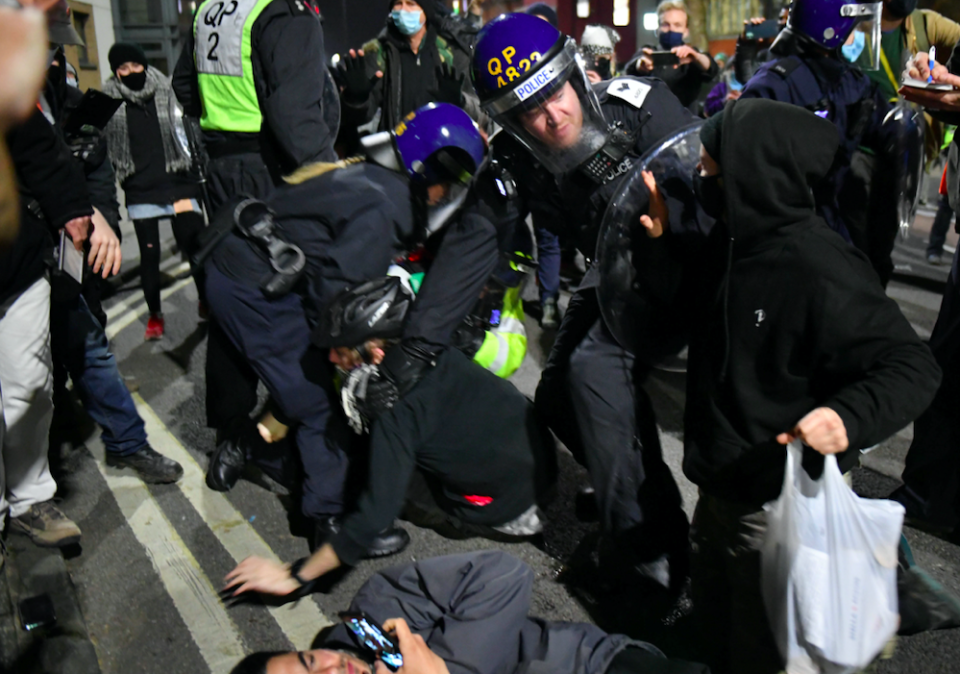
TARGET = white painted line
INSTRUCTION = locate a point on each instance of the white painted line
(115, 326)
(135, 298)
(300, 621)
(949, 249)
(196, 599)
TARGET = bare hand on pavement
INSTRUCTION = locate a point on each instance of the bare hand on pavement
(255, 574)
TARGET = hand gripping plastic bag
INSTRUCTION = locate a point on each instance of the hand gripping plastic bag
(829, 571)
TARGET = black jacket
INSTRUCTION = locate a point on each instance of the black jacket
(350, 223)
(409, 80)
(53, 191)
(298, 99)
(150, 183)
(797, 321)
(684, 81)
(471, 433)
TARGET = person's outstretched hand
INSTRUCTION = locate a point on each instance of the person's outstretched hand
(353, 70)
(256, 574)
(821, 430)
(658, 215)
(417, 656)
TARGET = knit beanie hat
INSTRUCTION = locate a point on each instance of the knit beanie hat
(429, 8)
(710, 135)
(546, 11)
(124, 52)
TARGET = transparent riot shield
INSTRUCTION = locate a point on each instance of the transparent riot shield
(908, 124)
(639, 285)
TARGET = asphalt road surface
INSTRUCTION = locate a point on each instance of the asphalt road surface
(152, 558)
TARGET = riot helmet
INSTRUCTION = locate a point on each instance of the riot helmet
(531, 79)
(375, 309)
(437, 143)
(828, 23)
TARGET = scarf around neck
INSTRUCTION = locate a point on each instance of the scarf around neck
(176, 157)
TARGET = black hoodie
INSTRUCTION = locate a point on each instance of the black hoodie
(794, 318)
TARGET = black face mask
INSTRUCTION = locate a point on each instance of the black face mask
(604, 69)
(901, 9)
(134, 81)
(709, 193)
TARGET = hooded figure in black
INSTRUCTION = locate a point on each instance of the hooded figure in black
(795, 339)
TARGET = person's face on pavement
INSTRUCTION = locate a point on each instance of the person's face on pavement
(318, 661)
(557, 122)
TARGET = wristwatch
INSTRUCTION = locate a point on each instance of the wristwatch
(305, 585)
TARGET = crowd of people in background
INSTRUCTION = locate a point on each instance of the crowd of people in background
(359, 232)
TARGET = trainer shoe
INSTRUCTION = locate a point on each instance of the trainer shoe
(154, 328)
(47, 526)
(149, 465)
(935, 259)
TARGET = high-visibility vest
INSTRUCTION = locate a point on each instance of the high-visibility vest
(222, 52)
(505, 346)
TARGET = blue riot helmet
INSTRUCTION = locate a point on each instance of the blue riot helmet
(531, 79)
(828, 23)
(437, 143)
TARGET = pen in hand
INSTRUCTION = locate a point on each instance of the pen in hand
(933, 61)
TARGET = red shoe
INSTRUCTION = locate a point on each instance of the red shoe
(154, 328)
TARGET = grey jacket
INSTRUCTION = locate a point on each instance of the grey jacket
(471, 609)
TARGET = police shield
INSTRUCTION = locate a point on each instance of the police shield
(908, 125)
(639, 285)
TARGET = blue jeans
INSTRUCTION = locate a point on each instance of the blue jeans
(80, 345)
(548, 260)
(941, 224)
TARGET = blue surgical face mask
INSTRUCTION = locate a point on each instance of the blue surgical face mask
(671, 39)
(406, 22)
(852, 51)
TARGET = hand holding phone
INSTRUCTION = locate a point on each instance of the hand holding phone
(762, 31)
(664, 59)
(417, 656)
(371, 637)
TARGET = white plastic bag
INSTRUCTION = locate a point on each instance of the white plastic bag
(829, 571)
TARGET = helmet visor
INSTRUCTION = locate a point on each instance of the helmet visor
(555, 113)
(868, 15)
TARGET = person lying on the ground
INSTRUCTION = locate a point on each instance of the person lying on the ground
(468, 613)
(463, 447)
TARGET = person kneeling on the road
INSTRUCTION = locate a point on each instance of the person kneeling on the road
(463, 446)
(468, 613)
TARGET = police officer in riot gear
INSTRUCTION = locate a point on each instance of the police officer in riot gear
(253, 72)
(809, 70)
(568, 145)
(280, 261)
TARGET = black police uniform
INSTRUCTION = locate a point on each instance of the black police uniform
(367, 217)
(590, 393)
(841, 93)
(301, 113)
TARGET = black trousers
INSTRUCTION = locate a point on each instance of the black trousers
(590, 396)
(186, 229)
(231, 381)
(931, 474)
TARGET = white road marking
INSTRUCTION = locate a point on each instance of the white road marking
(192, 593)
(300, 621)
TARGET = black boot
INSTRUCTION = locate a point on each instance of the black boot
(390, 541)
(228, 460)
(149, 465)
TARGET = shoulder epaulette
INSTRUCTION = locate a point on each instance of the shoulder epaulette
(785, 66)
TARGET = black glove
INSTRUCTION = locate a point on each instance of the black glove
(353, 75)
(88, 146)
(469, 337)
(449, 85)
